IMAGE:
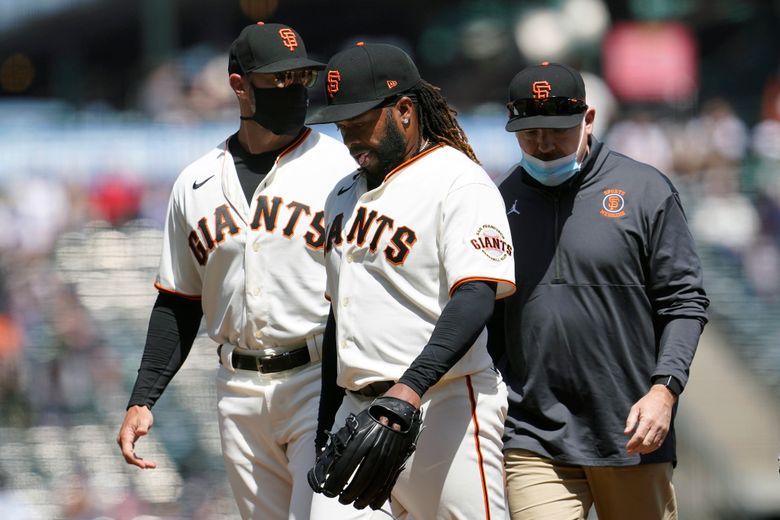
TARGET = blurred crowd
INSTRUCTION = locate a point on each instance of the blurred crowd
(193, 87)
(78, 258)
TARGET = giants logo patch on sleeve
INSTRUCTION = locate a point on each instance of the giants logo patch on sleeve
(491, 243)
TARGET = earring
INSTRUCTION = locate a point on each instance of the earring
(405, 122)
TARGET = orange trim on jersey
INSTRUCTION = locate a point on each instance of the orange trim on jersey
(301, 138)
(171, 291)
(485, 279)
(410, 161)
(480, 458)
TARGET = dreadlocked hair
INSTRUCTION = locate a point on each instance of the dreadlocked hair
(437, 119)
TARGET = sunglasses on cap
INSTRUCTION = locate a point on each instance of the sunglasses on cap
(392, 100)
(305, 77)
(552, 106)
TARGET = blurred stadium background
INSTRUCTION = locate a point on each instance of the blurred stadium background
(102, 102)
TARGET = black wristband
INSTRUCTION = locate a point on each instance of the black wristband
(669, 382)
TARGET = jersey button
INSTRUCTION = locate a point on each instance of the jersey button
(345, 302)
(257, 291)
(350, 258)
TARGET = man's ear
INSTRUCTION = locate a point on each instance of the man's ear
(237, 84)
(405, 108)
(590, 117)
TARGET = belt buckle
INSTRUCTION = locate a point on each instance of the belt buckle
(270, 359)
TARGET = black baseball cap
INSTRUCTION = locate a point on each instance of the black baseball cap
(361, 78)
(548, 95)
(269, 47)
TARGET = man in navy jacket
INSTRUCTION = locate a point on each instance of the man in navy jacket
(597, 342)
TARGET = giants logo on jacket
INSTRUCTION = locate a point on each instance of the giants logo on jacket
(370, 227)
(613, 203)
(211, 233)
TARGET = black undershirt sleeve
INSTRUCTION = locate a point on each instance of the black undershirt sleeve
(331, 393)
(460, 324)
(496, 342)
(173, 325)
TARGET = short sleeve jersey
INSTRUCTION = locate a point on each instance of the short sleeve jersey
(395, 254)
(258, 268)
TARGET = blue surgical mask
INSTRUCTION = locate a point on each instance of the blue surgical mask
(551, 173)
(555, 172)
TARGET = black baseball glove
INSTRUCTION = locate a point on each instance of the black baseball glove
(373, 452)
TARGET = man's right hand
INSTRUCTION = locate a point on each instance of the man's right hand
(138, 421)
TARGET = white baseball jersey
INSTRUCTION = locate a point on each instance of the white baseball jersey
(257, 267)
(395, 254)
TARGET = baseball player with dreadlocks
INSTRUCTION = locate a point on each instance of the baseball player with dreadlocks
(243, 248)
(417, 251)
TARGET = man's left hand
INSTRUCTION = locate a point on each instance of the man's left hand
(649, 420)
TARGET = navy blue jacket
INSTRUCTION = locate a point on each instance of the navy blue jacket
(609, 295)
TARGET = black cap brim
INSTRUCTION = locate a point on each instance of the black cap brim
(526, 123)
(291, 64)
(335, 113)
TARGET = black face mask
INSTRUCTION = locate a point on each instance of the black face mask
(281, 110)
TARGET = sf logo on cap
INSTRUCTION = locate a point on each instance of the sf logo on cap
(541, 89)
(333, 82)
(288, 38)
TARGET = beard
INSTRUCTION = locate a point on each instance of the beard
(389, 153)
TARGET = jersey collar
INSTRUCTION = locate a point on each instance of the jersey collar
(411, 160)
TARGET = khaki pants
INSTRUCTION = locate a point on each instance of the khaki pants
(540, 489)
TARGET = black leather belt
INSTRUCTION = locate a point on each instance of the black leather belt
(269, 364)
(374, 389)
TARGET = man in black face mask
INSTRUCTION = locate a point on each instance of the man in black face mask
(243, 249)
(269, 72)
